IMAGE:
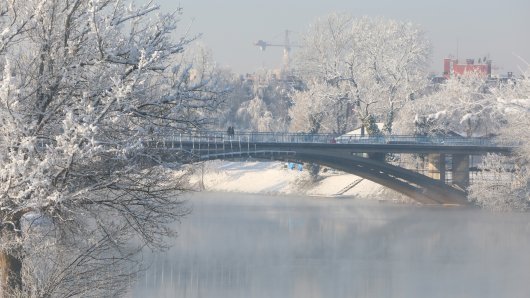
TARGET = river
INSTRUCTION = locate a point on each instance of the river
(240, 245)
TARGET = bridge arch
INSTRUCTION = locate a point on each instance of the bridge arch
(342, 154)
(414, 185)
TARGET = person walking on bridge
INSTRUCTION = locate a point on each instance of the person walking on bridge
(230, 131)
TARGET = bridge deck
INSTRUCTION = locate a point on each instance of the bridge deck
(341, 153)
(354, 143)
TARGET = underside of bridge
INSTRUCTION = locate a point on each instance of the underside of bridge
(414, 185)
(424, 189)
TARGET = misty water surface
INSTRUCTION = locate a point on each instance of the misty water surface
(236, 245)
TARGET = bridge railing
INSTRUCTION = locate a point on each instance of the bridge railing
(273, 137)
(252, 137)
(414, 140)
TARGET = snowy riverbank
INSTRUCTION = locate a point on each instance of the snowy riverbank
(276, 178)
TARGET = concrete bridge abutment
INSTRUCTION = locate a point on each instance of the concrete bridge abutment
(436, 166)
(460, 166)
(437, 169)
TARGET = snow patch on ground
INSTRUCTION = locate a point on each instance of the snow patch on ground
(276, 178)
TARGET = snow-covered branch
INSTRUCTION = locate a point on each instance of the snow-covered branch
(374, 65)
(82, 85)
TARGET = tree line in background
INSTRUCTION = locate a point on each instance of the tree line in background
(372, 73)
(84, 83)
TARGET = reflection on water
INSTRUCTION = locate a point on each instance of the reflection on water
(235, 245)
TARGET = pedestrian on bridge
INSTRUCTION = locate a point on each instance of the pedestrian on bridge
(230, 131)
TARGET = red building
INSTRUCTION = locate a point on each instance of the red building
(453, 68)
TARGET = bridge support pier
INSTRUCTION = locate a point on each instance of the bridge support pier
(436, 166)
(460, 172)
(377, 156)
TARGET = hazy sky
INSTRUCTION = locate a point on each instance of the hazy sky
(495, 28)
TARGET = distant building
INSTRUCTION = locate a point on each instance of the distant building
(452, 68)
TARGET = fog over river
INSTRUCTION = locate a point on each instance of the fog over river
(241, 245)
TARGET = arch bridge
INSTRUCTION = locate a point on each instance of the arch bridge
(447, 158)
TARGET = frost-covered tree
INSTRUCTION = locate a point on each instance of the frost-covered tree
(321, 109)
(375, 65)
(237, 92)
(504, 183)
(83, 85)
(464, 105)
(256, 115)
(259, 101)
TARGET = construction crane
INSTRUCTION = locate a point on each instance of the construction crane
(286, 48)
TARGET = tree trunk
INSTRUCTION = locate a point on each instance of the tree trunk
(10, 274)
(314, 170)
(10, 260)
